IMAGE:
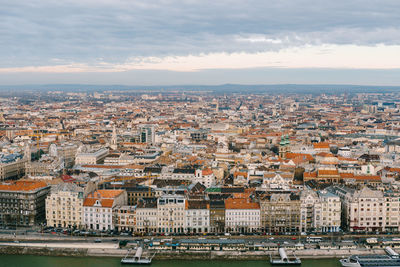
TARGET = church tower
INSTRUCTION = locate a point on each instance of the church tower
(114, 144)
(284, 146)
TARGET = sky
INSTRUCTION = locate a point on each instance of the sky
(156, 42)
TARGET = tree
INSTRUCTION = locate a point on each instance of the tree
(334, 150)
(275, 149)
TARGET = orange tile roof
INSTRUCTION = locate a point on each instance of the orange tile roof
(325, 154)
(207, 172)
(106, 198)
(22, 185)
(394, 169)
(236, 174)
(346, 159)
(328, 172)
(321, 145)
(299, 155)
(240, 204)
(347, 175)
(375, 178)
(310, 175)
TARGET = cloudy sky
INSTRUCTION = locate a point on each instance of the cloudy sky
(155, 42)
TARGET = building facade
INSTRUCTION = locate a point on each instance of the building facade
(64, 206)
(146, 216)
(280, 213)
(241, 215)
(171, 213)
(197, 216)
(22, 203)
(98, 208)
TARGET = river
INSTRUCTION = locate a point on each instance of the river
(45, 261)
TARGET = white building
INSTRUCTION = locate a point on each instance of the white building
(95, 157)
(330, 212)
(146, 217)
(98, 208)
(241, 215)
(197, 216)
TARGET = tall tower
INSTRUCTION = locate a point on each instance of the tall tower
(282, 148)
(114, 144)
(27, 158)
(147, 134)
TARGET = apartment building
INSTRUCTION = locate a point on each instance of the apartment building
(280, 213)
(12, 169)
(197, 216)
(171, 213)
(217, 216)
(320, 211)
(22, 203)
(98, 208)
(241, 215)
(146, 216)
(125, 218)
(329, 209)
(95, 157)
(64, 206)
(368, 210)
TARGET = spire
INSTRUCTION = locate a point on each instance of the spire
(282, 143)
(114, 139)
(27, 152)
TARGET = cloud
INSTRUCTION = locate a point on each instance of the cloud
(74, 35)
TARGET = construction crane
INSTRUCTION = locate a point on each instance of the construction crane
(39, 135)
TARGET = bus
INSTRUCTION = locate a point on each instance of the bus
(314, 239)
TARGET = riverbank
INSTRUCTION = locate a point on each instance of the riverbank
(112, 250)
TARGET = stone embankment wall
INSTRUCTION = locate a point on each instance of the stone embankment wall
(19, 250)
(186, 255)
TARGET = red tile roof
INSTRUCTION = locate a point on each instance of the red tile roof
(22, 185)
(207, 172)
(328, 172)
(240, 204)
(106, 198)
(321, 145)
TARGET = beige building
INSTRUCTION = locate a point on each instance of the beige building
(280, 213)
(15, 169)
(146, 216)
(320, 211)
(64, 206)
(171, 213)
(125, 219)
(369, 210)
(95, 157)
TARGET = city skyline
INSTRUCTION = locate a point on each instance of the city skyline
(200, 42)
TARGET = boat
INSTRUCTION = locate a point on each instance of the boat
(137, 259)
(284, 260)
(390, 260)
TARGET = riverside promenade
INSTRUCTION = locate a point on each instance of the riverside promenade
(109, 247)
